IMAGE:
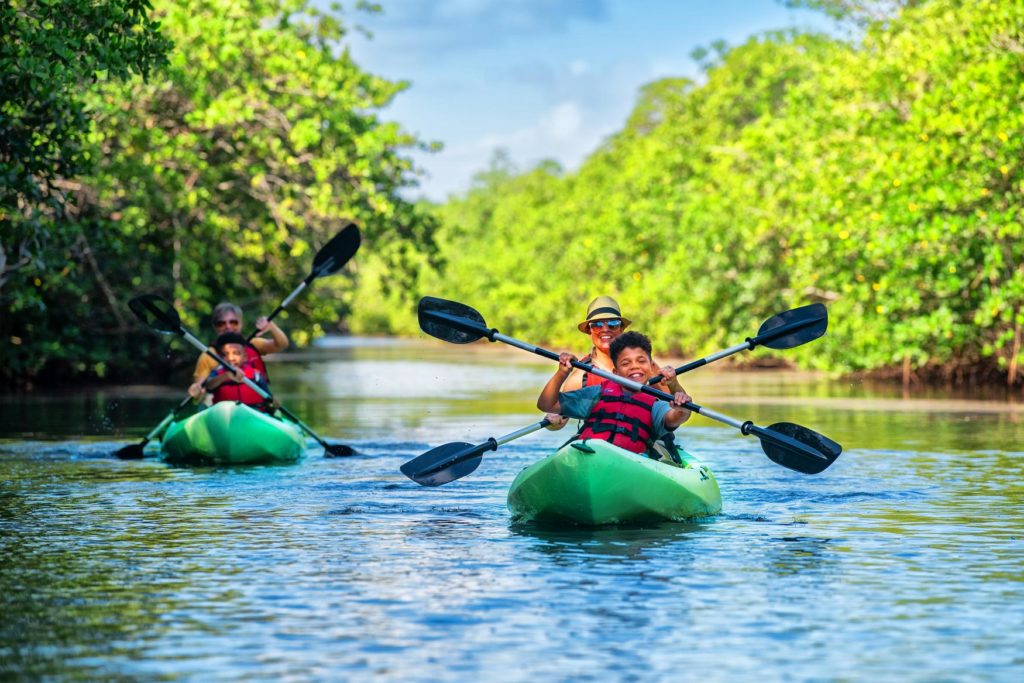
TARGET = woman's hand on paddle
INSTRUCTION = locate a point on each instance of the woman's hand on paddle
(565, 360)
(195, 390)
(668, 381)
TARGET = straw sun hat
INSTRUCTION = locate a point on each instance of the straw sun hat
(603, 308)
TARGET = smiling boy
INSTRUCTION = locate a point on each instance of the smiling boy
(631, 420)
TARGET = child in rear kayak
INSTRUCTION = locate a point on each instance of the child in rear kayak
(227, 317)
(611, 412)
(229, 386)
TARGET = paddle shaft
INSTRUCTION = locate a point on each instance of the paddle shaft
(489, 445)
(288, 300)
(332, 256)
(512, 436)
(750, 343)
(746, 428)
(494, 335)
(159, 428)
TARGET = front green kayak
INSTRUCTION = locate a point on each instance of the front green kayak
(232, 434)
(594, 482)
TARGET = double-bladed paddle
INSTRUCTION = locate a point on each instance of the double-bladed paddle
(455, 460)
(785, 443)
(328, 261)
(160, 314)
(786, 330)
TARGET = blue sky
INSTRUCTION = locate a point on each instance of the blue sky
(542, 79)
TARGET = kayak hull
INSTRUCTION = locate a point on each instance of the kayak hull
(592, 483)
(231, 433)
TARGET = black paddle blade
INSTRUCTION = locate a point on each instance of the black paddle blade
(445, 463)
(451, 321)
(793, 328)
(131, 452)
(337, 252)
(156, 312)
(825, 450)
(338, 450)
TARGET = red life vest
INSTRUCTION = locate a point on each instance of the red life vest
(253, 356)
(240, 392)
(625, 421)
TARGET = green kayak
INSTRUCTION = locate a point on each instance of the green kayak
(593, 482)
(230, 433)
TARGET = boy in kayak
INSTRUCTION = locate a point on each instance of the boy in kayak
(227, 317)
(603, 323)
(630, 420)
(229, 386)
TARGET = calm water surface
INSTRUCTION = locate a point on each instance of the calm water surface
(903, 562)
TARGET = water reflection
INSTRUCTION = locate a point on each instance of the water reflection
(912, 544)
(791, 555)
(623, 543)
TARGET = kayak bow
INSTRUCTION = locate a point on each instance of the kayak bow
(231, 433)
(594, 482)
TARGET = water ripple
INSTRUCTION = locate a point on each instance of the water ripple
(895, 564)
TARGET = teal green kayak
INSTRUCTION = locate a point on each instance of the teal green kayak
(231, 433)
(593, 482)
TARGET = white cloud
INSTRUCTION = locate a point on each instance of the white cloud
(563, 122)
(564, 132)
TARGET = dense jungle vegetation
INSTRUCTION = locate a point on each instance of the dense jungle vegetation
(881, 174)
(206, 156)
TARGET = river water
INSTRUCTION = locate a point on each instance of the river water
(904, 561)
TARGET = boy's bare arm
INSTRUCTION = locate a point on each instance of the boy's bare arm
(548, 399)
(215, 382)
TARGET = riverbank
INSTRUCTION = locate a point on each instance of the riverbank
(931, 383)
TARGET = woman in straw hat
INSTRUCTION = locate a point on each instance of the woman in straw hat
(603, 323)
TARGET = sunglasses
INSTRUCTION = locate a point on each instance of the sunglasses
(601, 324)
(228, 321)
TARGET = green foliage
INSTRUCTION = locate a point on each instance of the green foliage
(49, 51)
(218, 178)
(882, 176)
